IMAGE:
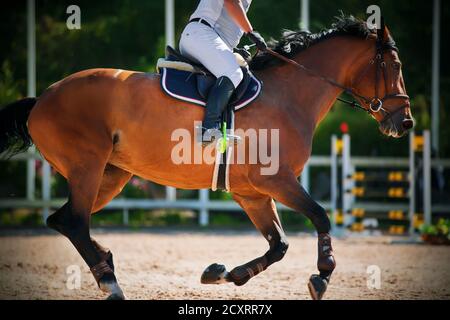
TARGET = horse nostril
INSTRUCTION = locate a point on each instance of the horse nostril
(408, 124)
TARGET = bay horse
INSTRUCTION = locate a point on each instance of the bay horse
(100, 127)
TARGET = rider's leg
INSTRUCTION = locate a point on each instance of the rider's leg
(218, 99)
(201, 43)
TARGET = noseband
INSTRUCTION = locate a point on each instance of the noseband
(375, 103)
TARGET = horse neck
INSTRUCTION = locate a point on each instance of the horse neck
(308, 99)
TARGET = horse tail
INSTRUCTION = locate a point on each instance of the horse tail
(14, 136)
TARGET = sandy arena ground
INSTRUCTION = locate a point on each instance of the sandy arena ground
(168, 265)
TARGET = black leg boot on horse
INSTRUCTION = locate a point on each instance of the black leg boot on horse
(218, 100)
(326, 263)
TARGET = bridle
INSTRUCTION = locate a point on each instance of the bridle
(376, 102)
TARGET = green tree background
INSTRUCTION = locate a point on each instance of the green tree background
(129, 34)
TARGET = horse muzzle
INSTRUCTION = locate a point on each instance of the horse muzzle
(398, 123)
(408, 123)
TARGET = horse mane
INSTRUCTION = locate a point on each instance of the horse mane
(293, 42)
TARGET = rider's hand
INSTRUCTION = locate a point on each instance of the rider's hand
(257, 39)
(244, 53)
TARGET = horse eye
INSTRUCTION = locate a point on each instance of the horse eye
(396, 66)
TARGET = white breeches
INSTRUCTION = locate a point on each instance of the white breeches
(202, 44)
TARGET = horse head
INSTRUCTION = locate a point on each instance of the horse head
(380, 86)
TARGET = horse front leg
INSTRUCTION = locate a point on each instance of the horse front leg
(285, 188)
(262, 212)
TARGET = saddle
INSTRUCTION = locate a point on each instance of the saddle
(189, 81)
(186, 80)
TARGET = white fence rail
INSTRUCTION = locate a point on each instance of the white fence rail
(203, 204)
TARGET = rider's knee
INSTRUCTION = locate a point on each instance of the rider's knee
(236, 76)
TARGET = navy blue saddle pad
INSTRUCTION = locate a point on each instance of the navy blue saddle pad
(183, 85)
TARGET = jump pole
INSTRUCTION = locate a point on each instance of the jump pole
(334, 181)
(31, 90)
(412, 183)
(427, 177)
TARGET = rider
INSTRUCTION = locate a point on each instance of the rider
(213, 31)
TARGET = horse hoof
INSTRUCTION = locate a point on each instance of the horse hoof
(317, 287)
(112, 287)
(116, 296)
(214, 274)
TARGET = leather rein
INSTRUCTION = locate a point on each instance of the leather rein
(375, 103)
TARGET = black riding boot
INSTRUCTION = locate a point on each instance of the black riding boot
(218, 99)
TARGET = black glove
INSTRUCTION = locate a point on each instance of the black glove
(244, 53)
(257, 39)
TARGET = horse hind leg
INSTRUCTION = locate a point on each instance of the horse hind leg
(73, 220)
(262, 212)
(114, 179)
(58, 221)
